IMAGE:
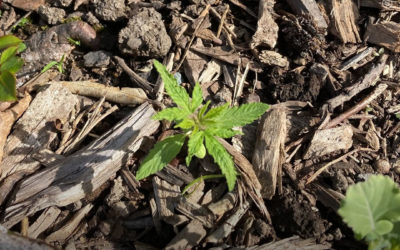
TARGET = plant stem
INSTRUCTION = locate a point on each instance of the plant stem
(200, 179)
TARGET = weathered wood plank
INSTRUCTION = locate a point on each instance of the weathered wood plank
(267, 157)
(84, 171)
(45, 220)
(309, 8)
(386, 34)
(267, 28)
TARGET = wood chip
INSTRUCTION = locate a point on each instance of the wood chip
(386, 34)
(343, 20)
(228, 226)
(330, 140)
(222, 206)
(196, 212)
(267, 28)
(189, 237)
(65, 232)
(84, 171)
(267, 156)
(34, 130)
(309, 8)
(43, 222)
(166, 196)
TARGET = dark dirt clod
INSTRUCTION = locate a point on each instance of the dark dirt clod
(145, 35)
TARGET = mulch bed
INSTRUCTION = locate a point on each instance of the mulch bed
(329, 70)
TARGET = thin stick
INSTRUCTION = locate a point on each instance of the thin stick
(359, 106)
(239, 90)
(143, 83)
(217, 15)
(202, 15)
(319, 171)
(18, 22)
(221, 24)
(244, 7)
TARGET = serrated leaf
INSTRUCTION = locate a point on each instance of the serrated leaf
(203, 109)
(222, 158)
(224, 133)
(237, 116)
(197, 97)
(215, 112)
(171, 114)
(369, 202)
(8, 41)
(195, 144)
(48, 66)
(176, 92)
(187, 123)
(8, 53)
(21, 47)
(7, 87)
(12, 65)
(162, 154)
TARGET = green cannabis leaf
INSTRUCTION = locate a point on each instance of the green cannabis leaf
(372, 210)
(201, 125)
(9, 66)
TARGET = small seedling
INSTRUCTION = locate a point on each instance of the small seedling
(201, 125)
(74, 42)
(24, 21)
(372, 210)
(58, 65)
(10, 64)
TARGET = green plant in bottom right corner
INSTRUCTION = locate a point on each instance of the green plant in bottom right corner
(201, 126)
(372, 210)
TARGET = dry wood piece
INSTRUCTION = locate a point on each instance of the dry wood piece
(45, 220)
(194, 64)
(143, 83)
(329, 140)
(367, 81)
(175, 175)
(267, 156)
(196, 212)
(26, 5)
(272, 58)
(229, 57)
(228, 226)
(166, 196)
(388, 5)
(292, 243)
(11, 241)
(222, 206)
(250, 179)
(386, 34)
(189, 237)
(352, 62)
(84, 171)
(328, 197)
(35, 129)
(7, 119)
(310, 9)
(64, 233)
(343, 20)
(267, 28)
(127, 96)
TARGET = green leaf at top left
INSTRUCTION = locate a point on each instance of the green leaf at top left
(8, 53)
(7, 87)
(8, 41)
(162, 153)
(197, 97)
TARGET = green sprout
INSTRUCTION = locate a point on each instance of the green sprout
(201, 126)
(58, 65)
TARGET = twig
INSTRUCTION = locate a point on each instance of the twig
(244, 7)
(239, 89)
(143, 83)
(359, 106)
(18, 22)
(202, 15)
(217, 15)
(319, 171)
(221, 24)
(369, 80)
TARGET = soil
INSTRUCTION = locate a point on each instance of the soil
(123, 213)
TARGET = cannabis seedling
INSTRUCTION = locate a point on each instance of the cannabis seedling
(372, 210)
(200, 125)
(10, 63)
